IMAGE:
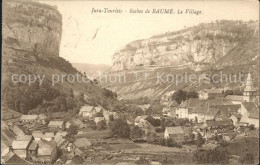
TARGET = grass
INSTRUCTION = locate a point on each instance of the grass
(244, 145)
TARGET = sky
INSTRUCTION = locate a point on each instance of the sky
(114, 31)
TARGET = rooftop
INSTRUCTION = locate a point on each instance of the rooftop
(29, 117)
(87, 108)
(20, 144)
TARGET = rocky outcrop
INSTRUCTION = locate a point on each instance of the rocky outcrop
(33, 29)
(196, 46)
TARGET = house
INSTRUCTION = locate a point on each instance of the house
(60, 135)
(225, 111)
(98, 119)
(32, 150)
(168, 112)
(87, 111)
(74, 121)
(56, 125)
(144, 107)
(235, 99)
(12, 158)
(213, 127)
(99, 109)
(47, 151)
(40, 135)
(82, 143)
(250, 113)
(182, 110)
(107, 115)
(138, 118)
(29, 118)
(20, 148)
(62, 144)
(178, 133)
(235, 118)
(24, 138)
(42, 118)
(146, 126)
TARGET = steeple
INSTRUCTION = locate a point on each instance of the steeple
(249, 91)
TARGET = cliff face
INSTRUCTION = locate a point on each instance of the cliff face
(31, 41)
(31, 27)
(228, 47)
(196, 46)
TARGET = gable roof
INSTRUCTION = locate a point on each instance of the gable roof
(98, 109)
(29, 117)
(212, 111)
(20, 144)
(24, 138)
(87, 108)
(12, 158)
(226, 122)
(43, 135)
(45, 148)
(235, 98)
(82, 142)
(32, 146)
(252, 109)
(56, 123)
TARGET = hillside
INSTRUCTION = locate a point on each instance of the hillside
(31, 40)
(230, 47)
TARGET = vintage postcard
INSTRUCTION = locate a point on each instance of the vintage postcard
(130, 82)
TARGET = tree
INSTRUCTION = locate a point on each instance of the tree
(70, 102)
(119, 127)
(153, 121)
(101, 125)
(200, 140)
(136, 132)
(179, 96)
(72, 130)
(111, 117)
(182, 95)
(92, 125)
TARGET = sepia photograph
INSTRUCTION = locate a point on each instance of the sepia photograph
(128, 82)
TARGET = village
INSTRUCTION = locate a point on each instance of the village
(93, 135)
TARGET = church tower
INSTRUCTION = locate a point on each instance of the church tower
(249, 91)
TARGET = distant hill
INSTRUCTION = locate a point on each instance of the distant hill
(91, 69)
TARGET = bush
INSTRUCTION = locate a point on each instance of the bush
(119, 127)
(215, 156)
(101, 125)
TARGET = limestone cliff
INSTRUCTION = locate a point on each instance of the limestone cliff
(31, 27)
(31, 42)
(197, 47)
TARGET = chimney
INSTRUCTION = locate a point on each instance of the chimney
(10, 148)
